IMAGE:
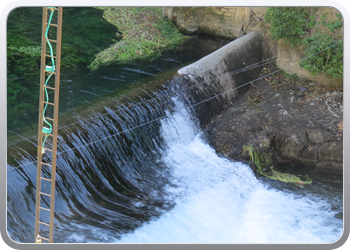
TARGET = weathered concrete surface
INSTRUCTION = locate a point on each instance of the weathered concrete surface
(214, 74)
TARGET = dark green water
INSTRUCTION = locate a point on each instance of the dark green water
(85, 33)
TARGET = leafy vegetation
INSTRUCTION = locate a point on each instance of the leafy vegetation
(329, 61)
(143, 34)
(289, 23)
(299, 25)
(275, 175)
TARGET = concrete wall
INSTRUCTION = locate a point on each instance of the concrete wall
(234, 22)
(215, 74)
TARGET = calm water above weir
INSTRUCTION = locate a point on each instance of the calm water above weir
(84, 88)
(119, 182)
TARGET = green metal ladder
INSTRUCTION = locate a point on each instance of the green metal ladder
(54, 71)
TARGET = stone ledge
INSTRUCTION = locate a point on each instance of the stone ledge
(329, 167)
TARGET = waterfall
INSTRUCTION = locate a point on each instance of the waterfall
(143, 172)
(162, 183)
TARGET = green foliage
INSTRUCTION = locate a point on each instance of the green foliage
(143, 34)
(275, 175)
(289, 23)
(330, 60)
(298, 25)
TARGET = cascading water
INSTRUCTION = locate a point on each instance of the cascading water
(220, 201)
(143, 173)
(111, 185)
(162, 183)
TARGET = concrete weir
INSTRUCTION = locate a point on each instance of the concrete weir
(217, 73)
(201, 80)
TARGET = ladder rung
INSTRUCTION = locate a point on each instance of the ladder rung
(52, 24)
(52, 136)
(47, 118)
(47, 149)
(44, 238)
(44, 223)
(50, 103)
(44, 209)
(45, 179)
(49, 87)
(54, 41)
(51, 56)
(45, 194)
(46, 164)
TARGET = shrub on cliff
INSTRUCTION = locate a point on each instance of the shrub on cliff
(322, 38)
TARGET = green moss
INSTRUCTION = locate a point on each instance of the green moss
(143, 34)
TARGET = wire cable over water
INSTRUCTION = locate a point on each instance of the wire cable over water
(190, 106)
(130, 104)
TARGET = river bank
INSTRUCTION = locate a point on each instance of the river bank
(288, 120)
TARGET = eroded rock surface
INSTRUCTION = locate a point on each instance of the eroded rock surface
(287, 121)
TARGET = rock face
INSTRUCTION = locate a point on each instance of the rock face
(286, 125)
(235, 22)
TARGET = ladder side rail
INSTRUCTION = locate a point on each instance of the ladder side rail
(55, 122)
(40, 124)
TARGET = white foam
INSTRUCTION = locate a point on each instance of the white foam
(219, 201)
